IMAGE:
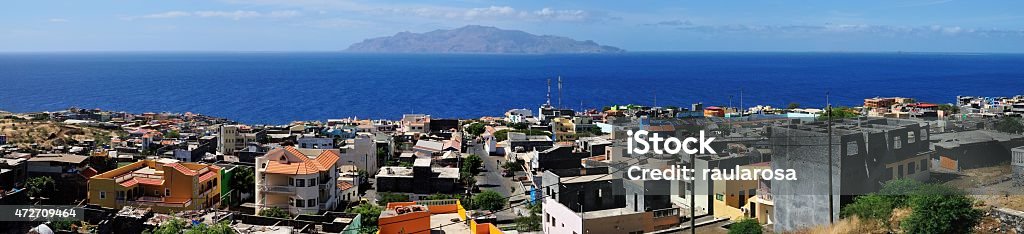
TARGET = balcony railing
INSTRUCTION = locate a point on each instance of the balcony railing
(153, 201)
(277, 189)
(666, 212)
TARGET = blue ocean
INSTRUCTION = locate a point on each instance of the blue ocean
(276, 88)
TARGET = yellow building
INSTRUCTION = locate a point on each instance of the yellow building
(564, 128)
(164, 187)
(736, 199)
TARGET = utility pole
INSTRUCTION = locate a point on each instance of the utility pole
(693, 196)
(559, 92)
(831, 204)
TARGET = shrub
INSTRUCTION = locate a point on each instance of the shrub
(745, 226)
(941, 209)
(275, 212)
(490, 200)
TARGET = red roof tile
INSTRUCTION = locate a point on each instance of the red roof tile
(296, 163)
(345, 185)
(148, 181)
(182, 169)
(129, 183)
(207, 176)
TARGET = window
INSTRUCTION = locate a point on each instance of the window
(911, 137)
(312, 182)
(851, 148)
(911, 168)
(300, 183)
(103, 195)
(720, 197)
(896, 143)
(900, 174)
(599, 192)
(299, 203)
(291, 181)
(167, 192)
(553, 221)
(311, 202)
(924, 164)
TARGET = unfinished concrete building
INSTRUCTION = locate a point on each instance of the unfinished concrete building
(866, 152)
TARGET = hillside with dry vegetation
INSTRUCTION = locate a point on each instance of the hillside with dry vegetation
(45, 134)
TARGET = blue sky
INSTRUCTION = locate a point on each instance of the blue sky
(326, 25)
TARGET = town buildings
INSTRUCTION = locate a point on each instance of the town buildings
(422, 178)
(415, 123)
(866, 152)
(297, 182)
(164, 186)
(236, 137)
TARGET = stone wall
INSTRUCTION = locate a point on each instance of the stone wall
(1010, 219)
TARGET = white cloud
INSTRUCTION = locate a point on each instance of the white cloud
(57, 20)
(169, 14)
(495, 13)
(234, 15)
(850, 29)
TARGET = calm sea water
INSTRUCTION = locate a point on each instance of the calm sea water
(280, 87)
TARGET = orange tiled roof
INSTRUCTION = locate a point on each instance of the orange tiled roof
(207, 176)
(345, 185)
(182, 169)
(291, 161)
(149, 181)
(129, 183)
(89, 172)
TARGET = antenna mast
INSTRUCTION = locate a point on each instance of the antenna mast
(559, 92)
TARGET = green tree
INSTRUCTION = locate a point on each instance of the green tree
(745, 226)
(502, 135)
(512, 165)
(219, 228)
(596, 131)
(172, 226)
(41, 186)
(898, 192)
(941, 209)
(949, 109)
(840, 113)
(172, 134)
(275, 212)
(475, 129)
(490, 200)
(1010, 125)
(871, 206)
(441, 196)
(518, 126)
(472, 164)
(532, 222)
(62, 225)
(468, 180)
(386, 198)
(793, 105)
(368, 213)
(243, 181)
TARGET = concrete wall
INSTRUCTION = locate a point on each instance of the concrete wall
(1012, 219)
(560, 219)
(805, 202)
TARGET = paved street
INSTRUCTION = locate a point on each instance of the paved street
(491, 179)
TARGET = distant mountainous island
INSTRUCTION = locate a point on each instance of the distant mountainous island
(479, 39)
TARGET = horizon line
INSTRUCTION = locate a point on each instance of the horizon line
(342, 51)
